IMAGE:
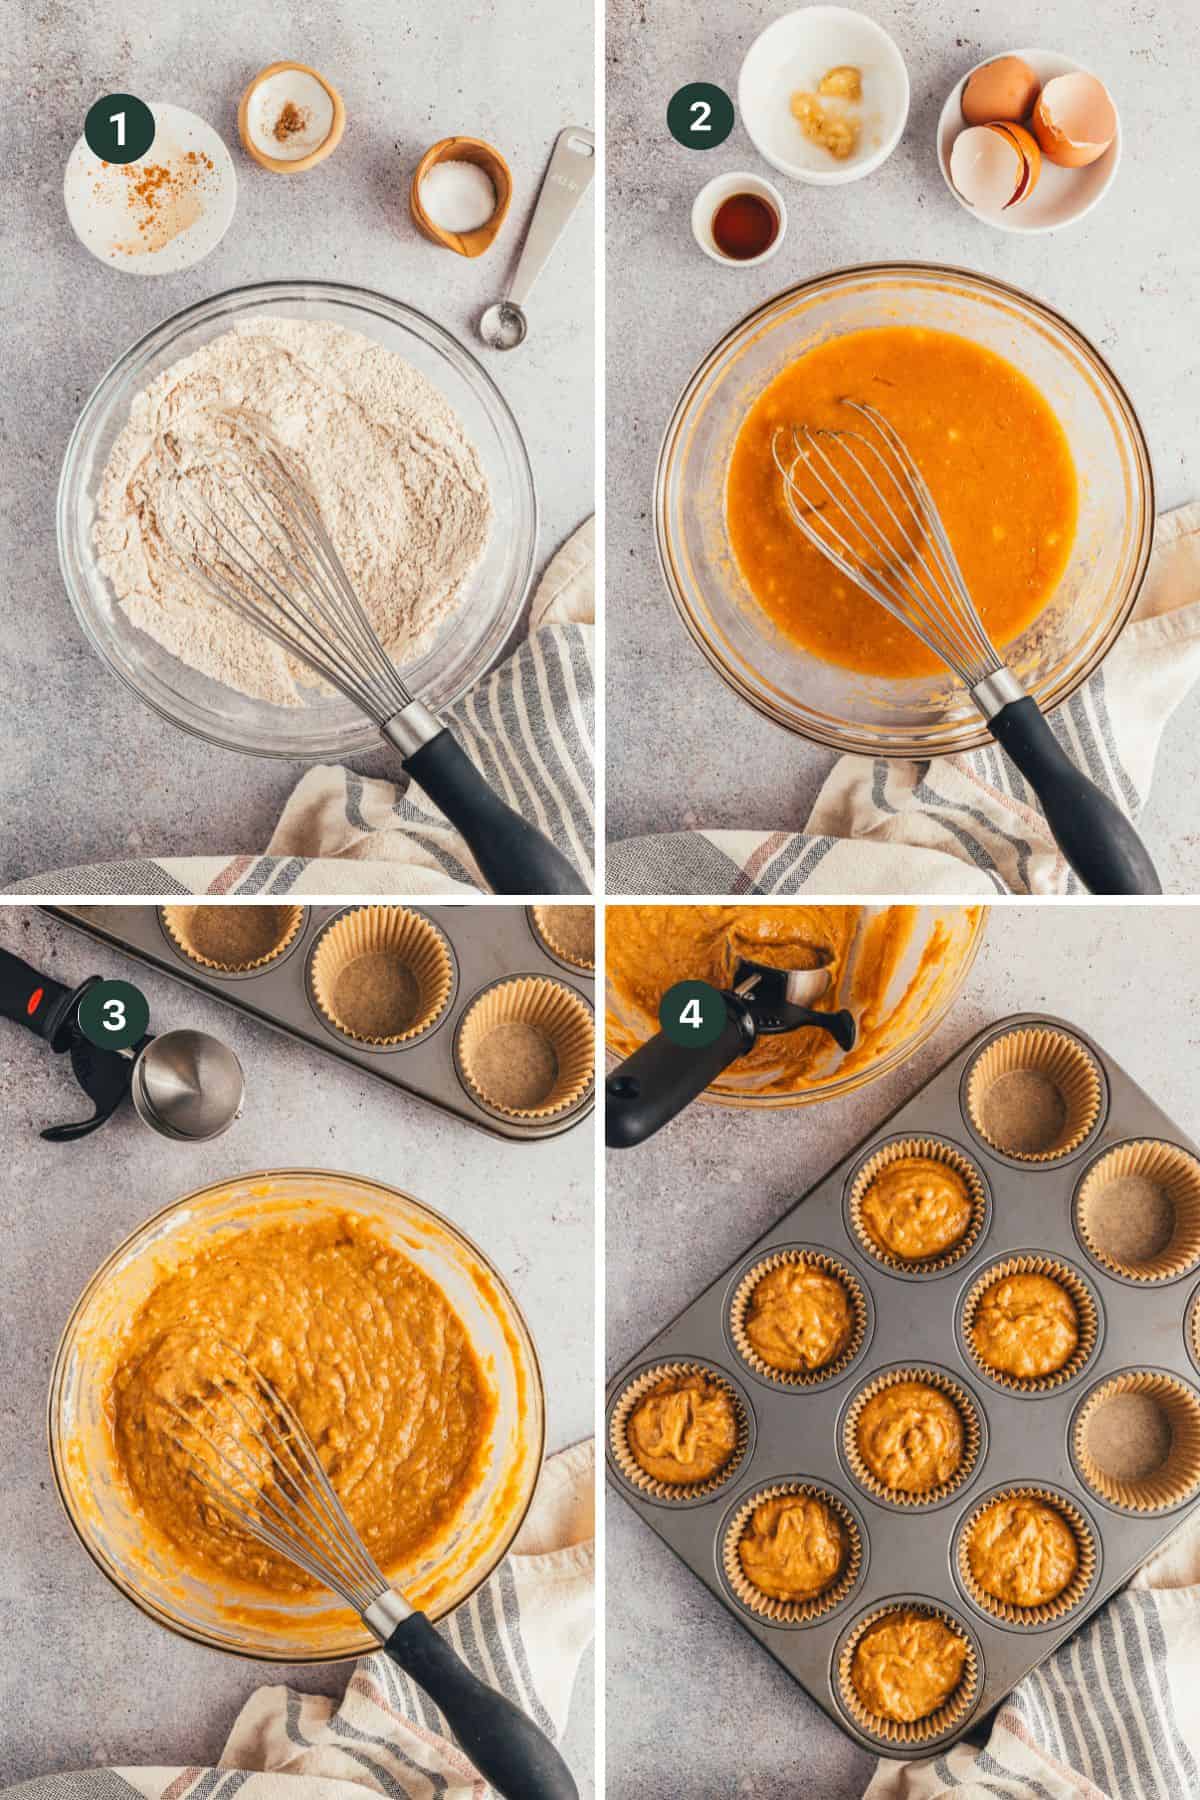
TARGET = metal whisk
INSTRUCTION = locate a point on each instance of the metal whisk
(239, 519)
(860, 498)
(246, 1448)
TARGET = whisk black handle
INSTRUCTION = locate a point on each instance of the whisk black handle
(503, 1742)
(43, 1005)
(655, 1084)
(1091, 831)
(514, 857)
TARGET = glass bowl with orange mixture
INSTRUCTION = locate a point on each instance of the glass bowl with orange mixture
(388, 1332)
(1033, 452)
(898, 968)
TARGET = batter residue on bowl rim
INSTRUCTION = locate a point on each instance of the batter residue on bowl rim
(995, 457)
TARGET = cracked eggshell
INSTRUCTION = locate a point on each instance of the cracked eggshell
(1074, 120)
(1004, 89)
(994, 166)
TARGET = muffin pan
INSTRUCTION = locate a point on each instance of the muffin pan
(1141, 1345)
(487, 946)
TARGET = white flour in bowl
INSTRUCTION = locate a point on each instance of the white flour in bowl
(399, 486)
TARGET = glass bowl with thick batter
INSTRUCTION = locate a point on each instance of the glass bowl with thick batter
(202, 1602)
(468, 642)
(929, 714)
(898, 968)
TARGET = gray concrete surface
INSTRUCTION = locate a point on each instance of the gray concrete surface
(684, 750)
(84, 1678)
(88, 772)
(687, 1690)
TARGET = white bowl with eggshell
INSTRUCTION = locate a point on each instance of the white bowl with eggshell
(792, 55)
(1062, 196)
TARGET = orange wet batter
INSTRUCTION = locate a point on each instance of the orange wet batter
(916, 1208)
(911, 1437)
(793, 1548)
(684, 1430)
(991, 450)
(799, 1317)
(1022, 1551)
(358, 1340)
(907, 1665)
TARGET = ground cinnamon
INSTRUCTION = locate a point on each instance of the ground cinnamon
(292, 119)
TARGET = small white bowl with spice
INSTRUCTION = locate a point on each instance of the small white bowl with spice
(290, 118)
(823, 94)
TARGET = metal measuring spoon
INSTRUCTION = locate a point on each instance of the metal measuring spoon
(567, 179)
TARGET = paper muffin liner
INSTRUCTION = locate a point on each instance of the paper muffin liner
(627, 1462)
(1176, 1479)
(558, 1015)
(1063, 1061)
(1085, 1308)
(790, 1612)
(178, 921)
(972, 1438)
(1048, 1612)
(396, 931)
(740, 1306)
(937, 1150)
(1169, 1168)
(548, 922)
(937, 1724)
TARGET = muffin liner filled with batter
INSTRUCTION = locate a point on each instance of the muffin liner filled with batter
(1087, 1322)
(945, 1718)
(526, 1047)
(972, 1438)
(1045, 1612)
(741, 1306)
(1136, 1441)
(568, 932)
(1034, 1094)
(231, 939)
(767, 1606)
(381, 975)
(622, 1451)
(927, 1149)
(1137, 1211)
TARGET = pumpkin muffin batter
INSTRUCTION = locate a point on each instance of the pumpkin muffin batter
(793, 1548)
(994, 456)
(799, 1317)
(358, 1340)
(907, 1665)
(1023, 1552)
(1025, 1325)
(916, 1208)
(911, 1437)
(649, 948)
(684, 1430)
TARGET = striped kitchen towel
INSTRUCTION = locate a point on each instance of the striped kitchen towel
(961, 824)
(523, 1632)
(1114, 1714)
(528, 726)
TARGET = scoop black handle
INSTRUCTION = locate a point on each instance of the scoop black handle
(1092, 832)
(503, 1742)
(661, 1077)
(513, 855)
(34, 1000)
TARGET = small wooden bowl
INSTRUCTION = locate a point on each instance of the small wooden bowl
(296, 165)
(472, 150)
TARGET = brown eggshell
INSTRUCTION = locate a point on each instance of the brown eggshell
(1030, 151)
(1074, 120)
(1002, 90)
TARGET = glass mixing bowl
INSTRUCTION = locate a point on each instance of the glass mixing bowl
(311, 1627)
(928, 978)
(933, 714)
(470, 640)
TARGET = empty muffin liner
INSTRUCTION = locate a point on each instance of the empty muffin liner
(1177, 1477)
(412, 941)
(246, 923)
(946, 1718)
(552, 1014)
(1177, 1176)
(972, 1438)
(1047, 1612)
(790, 1612)
(1085, 1308)
(937, 1150)
(740, 1307)
(1063, 1062)
(627, 1462)
(551, 924)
